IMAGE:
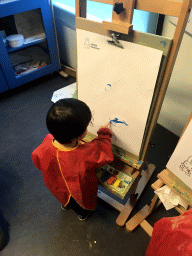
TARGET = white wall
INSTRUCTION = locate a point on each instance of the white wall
(177, 104)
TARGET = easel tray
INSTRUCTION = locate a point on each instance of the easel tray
(115, 181)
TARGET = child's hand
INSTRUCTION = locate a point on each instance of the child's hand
(108, 125)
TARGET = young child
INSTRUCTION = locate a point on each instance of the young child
(68, 166)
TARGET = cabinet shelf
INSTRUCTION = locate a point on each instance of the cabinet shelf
(29, 59)
(29, 72)
(27, 43)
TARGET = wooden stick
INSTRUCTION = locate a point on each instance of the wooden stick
(68, 70)
(147, 227)
(171, 7)
(81, 8)
(62, 73)
(130, 204)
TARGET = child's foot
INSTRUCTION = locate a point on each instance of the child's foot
(83, 217)
(64, 208)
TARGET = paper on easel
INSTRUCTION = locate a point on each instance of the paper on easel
(180, 163)
(169, 198)
(118, 84)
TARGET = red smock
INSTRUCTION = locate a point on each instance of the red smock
(172, 236)
(72, 173)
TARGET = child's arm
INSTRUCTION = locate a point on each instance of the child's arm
(100, 148)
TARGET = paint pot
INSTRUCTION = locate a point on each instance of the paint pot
(15, 40)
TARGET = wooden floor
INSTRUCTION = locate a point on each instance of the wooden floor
(31, 218)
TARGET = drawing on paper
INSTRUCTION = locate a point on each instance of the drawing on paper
(180, 163)
(88, 45)
(108, 87)
(117, 121)
(186, 166)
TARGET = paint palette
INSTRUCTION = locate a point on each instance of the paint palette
(114, 180)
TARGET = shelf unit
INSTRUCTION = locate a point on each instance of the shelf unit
(25, 45)
(33, 19)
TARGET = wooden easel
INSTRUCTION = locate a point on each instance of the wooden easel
(166, 177)
(122, 24)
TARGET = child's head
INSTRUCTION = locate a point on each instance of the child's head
(67, 119)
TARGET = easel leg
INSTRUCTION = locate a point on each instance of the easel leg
(137, 189)
(139, 218)
(129, 205)
(147, 227)
(142, 214)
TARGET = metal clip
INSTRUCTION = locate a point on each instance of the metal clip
(115, 41)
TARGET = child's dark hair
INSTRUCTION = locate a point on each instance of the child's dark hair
(68, 119)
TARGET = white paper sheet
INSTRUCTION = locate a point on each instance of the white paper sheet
(180, 162)
(169, 198)
(117, 83)
(66, 92)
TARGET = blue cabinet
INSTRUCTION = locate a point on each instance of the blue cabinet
(38, 56)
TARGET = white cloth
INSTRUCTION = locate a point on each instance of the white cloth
(169, 198)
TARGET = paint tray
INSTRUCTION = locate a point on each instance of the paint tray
(115, 181)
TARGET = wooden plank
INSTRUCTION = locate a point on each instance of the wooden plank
(176, 185)
(137, 176)
(147, 227)
(80, 8)
(127, 157)
(138, 218)
(130, 203)
(124, 214)
(68, 70)
(157, 184)
(77, 8)
(103, 1)
(165, 7)
(119, 27)
(154, 202)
